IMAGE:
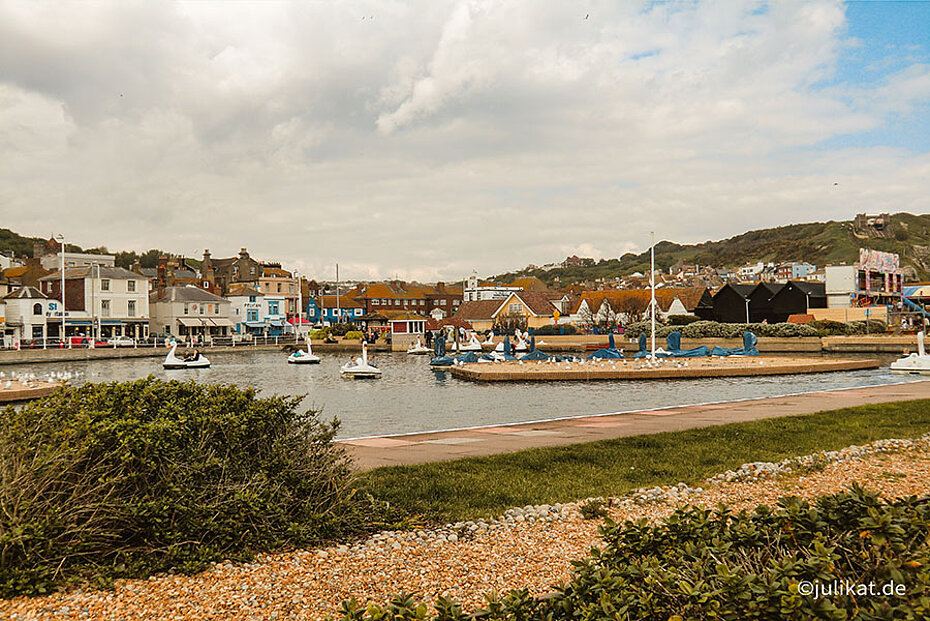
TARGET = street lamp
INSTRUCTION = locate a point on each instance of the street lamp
(61, 240)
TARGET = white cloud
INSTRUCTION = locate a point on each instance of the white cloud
(427, 139)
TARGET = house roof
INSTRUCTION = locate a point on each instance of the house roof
(810, 288)
(537, 302)
(26, 293)
(275, 271)
(188, 293)
(619, 300)
(401, 315)
(480, 310)
(93, 271)
(242, 289)
(329, 301)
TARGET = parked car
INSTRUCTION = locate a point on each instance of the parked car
(121, 341)
(84, 341)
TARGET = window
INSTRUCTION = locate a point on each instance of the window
(130, 286)
(252, 314)
(186, 309)
(37, 309)
(200, 308)
(515, 309)
(216, 309)
(272, 308)
(105, 284)
(104, 308)
(251, 298)
(279, 287)
(252, 270)
(132, 306)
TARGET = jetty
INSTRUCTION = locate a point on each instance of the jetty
(669, 368)
(26, 391)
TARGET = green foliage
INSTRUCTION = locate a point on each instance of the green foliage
(341, 329)
(319, 334)
(355, 335)
(593, 509)
(553, 329)
(126, 479)
(681, 320)
(702, 564)
(712, 329)
(826, 327)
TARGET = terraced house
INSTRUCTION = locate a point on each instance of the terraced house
(100, 301)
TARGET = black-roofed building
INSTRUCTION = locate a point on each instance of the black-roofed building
(731, 303)
(795, 298)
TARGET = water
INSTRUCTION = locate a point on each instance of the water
(413, 398)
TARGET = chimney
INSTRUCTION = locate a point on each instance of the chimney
(243, 253)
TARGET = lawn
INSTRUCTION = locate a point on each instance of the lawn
(486, 486)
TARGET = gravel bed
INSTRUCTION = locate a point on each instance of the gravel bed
(529, 546)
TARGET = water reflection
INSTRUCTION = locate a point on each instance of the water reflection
(412, 397)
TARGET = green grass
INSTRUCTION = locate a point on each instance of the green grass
(485, 486)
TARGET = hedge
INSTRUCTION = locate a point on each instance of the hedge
(702, 564)
(126, 479)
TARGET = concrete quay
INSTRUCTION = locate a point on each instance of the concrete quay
(672, 368)
(17, 391)
(419, 448)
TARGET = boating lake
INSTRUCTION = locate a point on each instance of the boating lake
(411, 397)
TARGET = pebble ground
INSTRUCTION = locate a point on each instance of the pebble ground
(464, 560)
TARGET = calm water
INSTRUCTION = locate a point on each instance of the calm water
(411, 397)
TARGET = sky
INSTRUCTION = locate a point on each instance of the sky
(427, 140)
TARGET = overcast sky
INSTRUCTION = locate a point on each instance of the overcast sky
(429, 139)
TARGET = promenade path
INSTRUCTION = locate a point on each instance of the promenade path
(447, 445)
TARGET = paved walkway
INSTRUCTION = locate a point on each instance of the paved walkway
(446, 445)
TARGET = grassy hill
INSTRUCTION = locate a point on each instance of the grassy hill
(819, 243)
(12, 242)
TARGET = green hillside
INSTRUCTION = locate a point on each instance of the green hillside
(819, 243)
(18, 245)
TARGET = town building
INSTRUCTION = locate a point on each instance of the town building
(793, 270)
(24, 316)
(275, 281)
(610, 308)
(521, 309)
(190, 311)
(100, 301)
(875, 279)
(224, 272)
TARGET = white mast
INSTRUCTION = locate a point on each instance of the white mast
(300, 303)
(652, 282)
(338, 312)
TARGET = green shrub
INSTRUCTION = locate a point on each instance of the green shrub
(354, 335)
(593, 509)
(319, 334)
(681, 320)
(126, 479)
(699, 564)
(828, 327)
(553, 329)
(341, 329)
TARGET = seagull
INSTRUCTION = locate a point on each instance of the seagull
(586, 15)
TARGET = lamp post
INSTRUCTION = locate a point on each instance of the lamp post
(747, 310)
(61, 240)
(300, 301)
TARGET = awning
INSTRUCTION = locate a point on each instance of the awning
(110, 322)
(255, 324)
(277, 323)
(189, 322)
(72, 322)
(222, 322)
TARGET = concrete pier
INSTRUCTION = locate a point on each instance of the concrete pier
(672, 368)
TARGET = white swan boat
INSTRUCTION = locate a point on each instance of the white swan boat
(419, 349)
(304, 357)
(360, 368)
(196, 361)
(490, 339)
(915, 363)
(473, 344)
(520, 345)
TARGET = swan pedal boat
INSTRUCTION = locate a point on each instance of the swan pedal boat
(360, 368)
(173, 362)
(914, 363)
(303, 357)
(418, 349)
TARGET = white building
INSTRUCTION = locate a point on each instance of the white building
(23, 313)
(77, 259)
(477, 293)
(190, 311)
(100, 301)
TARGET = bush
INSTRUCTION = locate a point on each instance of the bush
(127, 479)
(699, 564)
(319, 334)
(681, 320)
(553, 329)
(354, 335)
(341, 329)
